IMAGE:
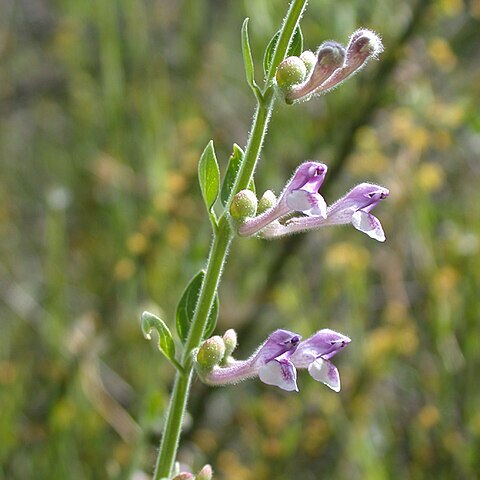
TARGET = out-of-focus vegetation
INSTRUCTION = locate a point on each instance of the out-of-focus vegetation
(105, 107)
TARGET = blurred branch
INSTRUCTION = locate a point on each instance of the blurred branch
(110, 410)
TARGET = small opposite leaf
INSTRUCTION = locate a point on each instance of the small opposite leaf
(248, 60)
(165, 342)
(251, 186)
(209, 175)
(186, 308)
(295, 48)
(232, 170)
(234, 163)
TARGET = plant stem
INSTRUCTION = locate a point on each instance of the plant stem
(173, 426)
(218, 255)
(178, 402)
(254, 145)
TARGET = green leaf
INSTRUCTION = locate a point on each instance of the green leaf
(209, 175)
(295, 48)
(186, 308)
(165, 342)
(232, 170)
(233, 167)
(248, 60)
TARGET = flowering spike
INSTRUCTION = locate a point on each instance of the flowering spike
(299, 195)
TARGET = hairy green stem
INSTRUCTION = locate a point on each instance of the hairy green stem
(173, 426)
(218, 254)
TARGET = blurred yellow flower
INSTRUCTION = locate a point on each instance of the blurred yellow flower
(430, 177)
(347, 256)
(446, 280)
(441, 53)
(451, 7)
(8, 373)
(418, 139)
(402, 123)
(447, 115)
(137, 243)
(230, 464)
(428, 416)
(176, 183)
(205, 439)
(63, 414)
(315, 435)
(177, 235)
(124, 269)
(367, 163)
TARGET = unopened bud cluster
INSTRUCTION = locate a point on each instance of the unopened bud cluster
(216, 350)
(300, 77)
(245, 204)
(291, 71)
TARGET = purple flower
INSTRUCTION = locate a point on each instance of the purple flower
(315, 354)
(299, 195)
(277, 344)
(354, 208)
(277, 360)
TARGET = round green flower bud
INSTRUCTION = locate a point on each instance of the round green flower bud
(290, 72)
(230, 340)
(309, 59)
(205, 473)
(244, 204)
(267, 201)
(211, 352)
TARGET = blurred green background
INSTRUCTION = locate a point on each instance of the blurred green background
(105, 107)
